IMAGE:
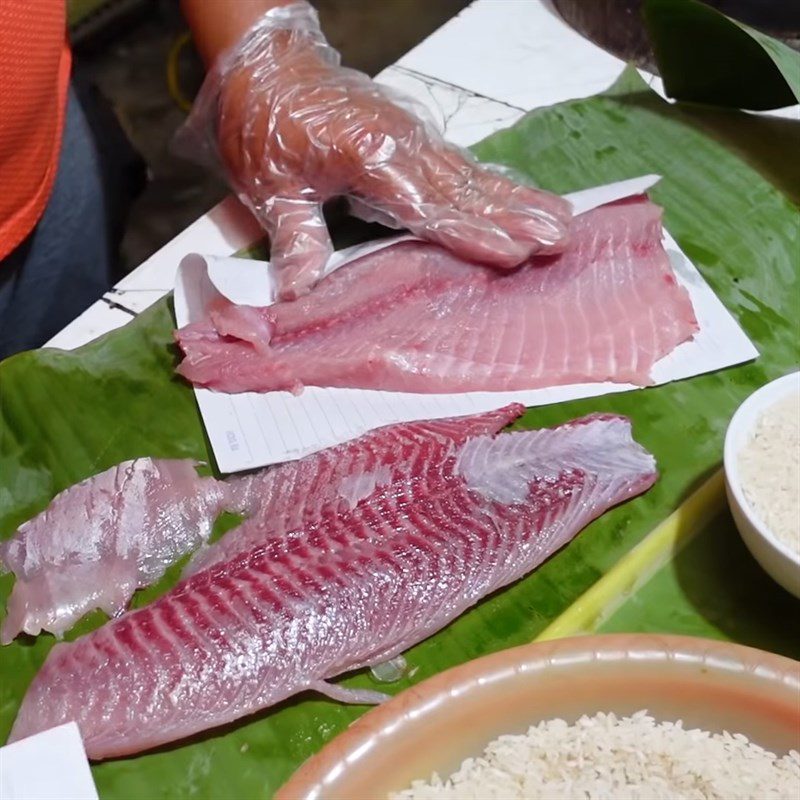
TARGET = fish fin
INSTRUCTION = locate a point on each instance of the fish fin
(360, 697)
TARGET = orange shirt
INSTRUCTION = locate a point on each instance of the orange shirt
(34, 76)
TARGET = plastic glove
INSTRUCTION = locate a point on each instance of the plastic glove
(293, 128)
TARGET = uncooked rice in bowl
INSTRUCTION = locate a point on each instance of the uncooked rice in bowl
(769, 468)
(628, 758)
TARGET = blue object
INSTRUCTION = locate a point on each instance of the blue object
(69, 260)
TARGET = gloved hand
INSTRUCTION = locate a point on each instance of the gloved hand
(293, 128)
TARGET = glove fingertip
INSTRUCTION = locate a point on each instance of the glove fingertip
(296, 274)
(479, 240)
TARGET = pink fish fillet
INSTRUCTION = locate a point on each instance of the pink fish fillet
(100, 540)
(356, 588)
(416, 318)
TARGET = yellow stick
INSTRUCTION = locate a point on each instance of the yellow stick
(173, 78)
(633, 570)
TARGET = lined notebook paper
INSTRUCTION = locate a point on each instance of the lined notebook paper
(252, 430)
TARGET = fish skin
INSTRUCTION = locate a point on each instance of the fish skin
(416, 318)
(355, 589)
(101, 539)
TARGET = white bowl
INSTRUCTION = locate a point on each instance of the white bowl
(775, 557)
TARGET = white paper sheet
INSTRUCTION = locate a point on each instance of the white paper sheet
(251, 430)
(49, 765)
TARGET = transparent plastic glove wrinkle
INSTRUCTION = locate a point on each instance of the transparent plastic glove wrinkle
(292, 128)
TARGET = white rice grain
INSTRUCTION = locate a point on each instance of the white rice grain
(769, 466)
(628, 758)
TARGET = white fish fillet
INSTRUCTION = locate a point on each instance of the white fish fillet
(100, 540)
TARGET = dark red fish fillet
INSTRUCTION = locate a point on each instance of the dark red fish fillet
(353, 589)
(290, 497)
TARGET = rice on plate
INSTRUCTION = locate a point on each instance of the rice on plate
(625, 758)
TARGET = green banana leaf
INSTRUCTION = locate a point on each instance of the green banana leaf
(713, 588)
(704, 56)
(78, 9)
(67, 415)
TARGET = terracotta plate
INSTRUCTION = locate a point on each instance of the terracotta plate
(435, 725)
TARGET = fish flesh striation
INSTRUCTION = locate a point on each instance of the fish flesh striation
(286, 499)
(353, 589)
(416, 318)
(100, 540)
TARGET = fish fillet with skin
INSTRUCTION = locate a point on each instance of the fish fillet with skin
(414, 317)
(100, 540)
(356, 588)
